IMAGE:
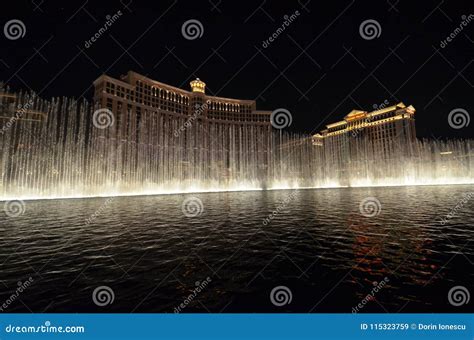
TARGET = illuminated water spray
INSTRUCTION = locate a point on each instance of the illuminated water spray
(60, 148)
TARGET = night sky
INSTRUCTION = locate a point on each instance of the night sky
(319, 68)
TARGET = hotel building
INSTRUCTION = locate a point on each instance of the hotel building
(363, 137)
(187, 127)
(135, 94)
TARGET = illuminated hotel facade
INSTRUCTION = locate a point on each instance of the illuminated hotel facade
(203, 136)
(134, 94)
(162, 139)
(363, 137)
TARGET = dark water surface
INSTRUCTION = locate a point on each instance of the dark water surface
(316, 243)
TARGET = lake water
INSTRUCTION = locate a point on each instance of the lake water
(227, 252)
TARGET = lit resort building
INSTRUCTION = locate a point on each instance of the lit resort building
(364, 137)
(141, 136)
(199, 135)
(136, 94)
(382, 127)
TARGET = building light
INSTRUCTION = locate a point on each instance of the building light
(198, 85)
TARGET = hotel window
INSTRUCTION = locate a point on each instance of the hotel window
(118, 120)
(139, 113)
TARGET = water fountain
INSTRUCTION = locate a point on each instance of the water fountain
(52, 149)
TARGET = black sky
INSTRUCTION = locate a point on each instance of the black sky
(320, 68)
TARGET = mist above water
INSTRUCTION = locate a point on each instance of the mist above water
(73, 153)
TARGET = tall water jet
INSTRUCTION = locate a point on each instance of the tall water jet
(69, 148)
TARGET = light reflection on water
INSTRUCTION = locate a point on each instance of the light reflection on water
(317, 243)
